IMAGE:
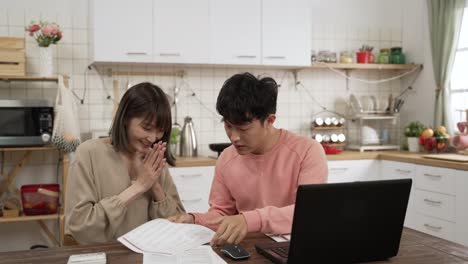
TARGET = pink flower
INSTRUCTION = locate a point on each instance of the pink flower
(33, 28)
(50, 30)
(59, 36)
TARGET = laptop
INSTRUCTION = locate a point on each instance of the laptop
(344, 223)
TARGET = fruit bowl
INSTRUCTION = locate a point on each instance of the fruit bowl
(437, 144)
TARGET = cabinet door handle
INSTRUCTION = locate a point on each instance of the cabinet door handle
(432, 201)
(438, 228)
(403, 171)
(246, 56)
(176, 54)
(190, 175)
(433, 176)
(136, 53)
(275, 57)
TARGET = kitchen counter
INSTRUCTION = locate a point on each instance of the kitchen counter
(195, 161)
(401, 156)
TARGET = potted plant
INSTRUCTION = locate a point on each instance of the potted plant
(174, 140)
(412, 132)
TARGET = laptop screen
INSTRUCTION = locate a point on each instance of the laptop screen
(348, 222)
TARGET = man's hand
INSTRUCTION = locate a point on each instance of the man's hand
(231, 230)
(182, 218)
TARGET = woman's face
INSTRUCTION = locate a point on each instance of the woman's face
(142, 134)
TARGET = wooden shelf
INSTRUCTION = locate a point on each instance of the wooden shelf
(29, 78)
(327, 128)
(26, 218)
(12, 149)
(362, 66)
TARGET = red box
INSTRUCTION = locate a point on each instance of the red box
(40, 199)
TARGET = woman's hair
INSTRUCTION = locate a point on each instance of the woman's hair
(147, 101)
(243, 98)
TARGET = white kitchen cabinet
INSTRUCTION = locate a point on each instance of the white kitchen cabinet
(286, 33)
(353, 170)
(180, 31)
(461, 201)
(193, 185)
(121, 31)
(235, 28)
(392, 170)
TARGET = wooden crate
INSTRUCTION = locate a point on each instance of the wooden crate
(12, 56)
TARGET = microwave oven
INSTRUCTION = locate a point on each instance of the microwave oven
(25, 122)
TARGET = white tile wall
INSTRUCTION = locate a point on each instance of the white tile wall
(337, 25)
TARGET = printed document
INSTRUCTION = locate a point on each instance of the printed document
(160, 236)
(199, 255)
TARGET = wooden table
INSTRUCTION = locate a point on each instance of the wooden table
(415, 247)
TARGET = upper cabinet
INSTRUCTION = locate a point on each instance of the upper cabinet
(180, 31)
(286, 33)
(121, 30)
(236, 32)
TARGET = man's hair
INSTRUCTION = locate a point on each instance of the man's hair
(147, 101)
(243, 98)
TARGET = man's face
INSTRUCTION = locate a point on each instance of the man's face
(248, 137)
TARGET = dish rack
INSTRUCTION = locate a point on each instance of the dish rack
(374, 132)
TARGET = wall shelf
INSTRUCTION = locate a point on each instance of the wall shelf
(28, 78)
(363, 66)
(25, 218)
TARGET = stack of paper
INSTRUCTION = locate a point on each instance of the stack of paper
(162, 241)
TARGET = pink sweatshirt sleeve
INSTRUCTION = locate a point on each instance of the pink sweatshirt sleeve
(314, 169)
(221, 203)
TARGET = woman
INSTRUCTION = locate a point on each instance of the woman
(119, 183)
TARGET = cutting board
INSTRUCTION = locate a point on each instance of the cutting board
(450, 157)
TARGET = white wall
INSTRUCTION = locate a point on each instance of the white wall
(337, 25)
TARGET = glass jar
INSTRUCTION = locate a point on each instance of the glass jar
(346, 57)
(384, 56)
(397, 56)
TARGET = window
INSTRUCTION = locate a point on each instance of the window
(459, 78)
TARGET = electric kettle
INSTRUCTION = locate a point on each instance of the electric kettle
(188, 139)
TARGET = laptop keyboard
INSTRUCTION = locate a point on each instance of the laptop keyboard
(281, 251)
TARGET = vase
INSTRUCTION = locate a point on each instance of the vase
(46, 64)
(413, 144)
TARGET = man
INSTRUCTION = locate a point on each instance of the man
(256, 179)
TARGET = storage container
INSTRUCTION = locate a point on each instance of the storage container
(39, 199)
(12, 56)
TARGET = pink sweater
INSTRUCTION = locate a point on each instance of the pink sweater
(263, 187)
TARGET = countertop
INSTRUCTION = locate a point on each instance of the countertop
(401, 156)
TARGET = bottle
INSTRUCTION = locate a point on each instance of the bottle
(318, 121)
(334, 138)
(328, 121)
(397, 56)
(188, 139)
(384, 56)
(341, 122)
(318, 138)
(341, 138)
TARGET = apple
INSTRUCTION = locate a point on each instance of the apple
(430, 143)
(422, 140)
(442, 129)
(427, 133)
(441, 146)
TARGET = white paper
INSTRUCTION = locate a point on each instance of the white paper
(280, 238)
(199, 255)
(161, 236)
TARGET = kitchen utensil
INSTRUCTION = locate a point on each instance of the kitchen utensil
(219, 147)
(369, 136)
(355, 104)
(188, 139)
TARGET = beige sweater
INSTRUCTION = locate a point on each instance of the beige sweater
(94, 212)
